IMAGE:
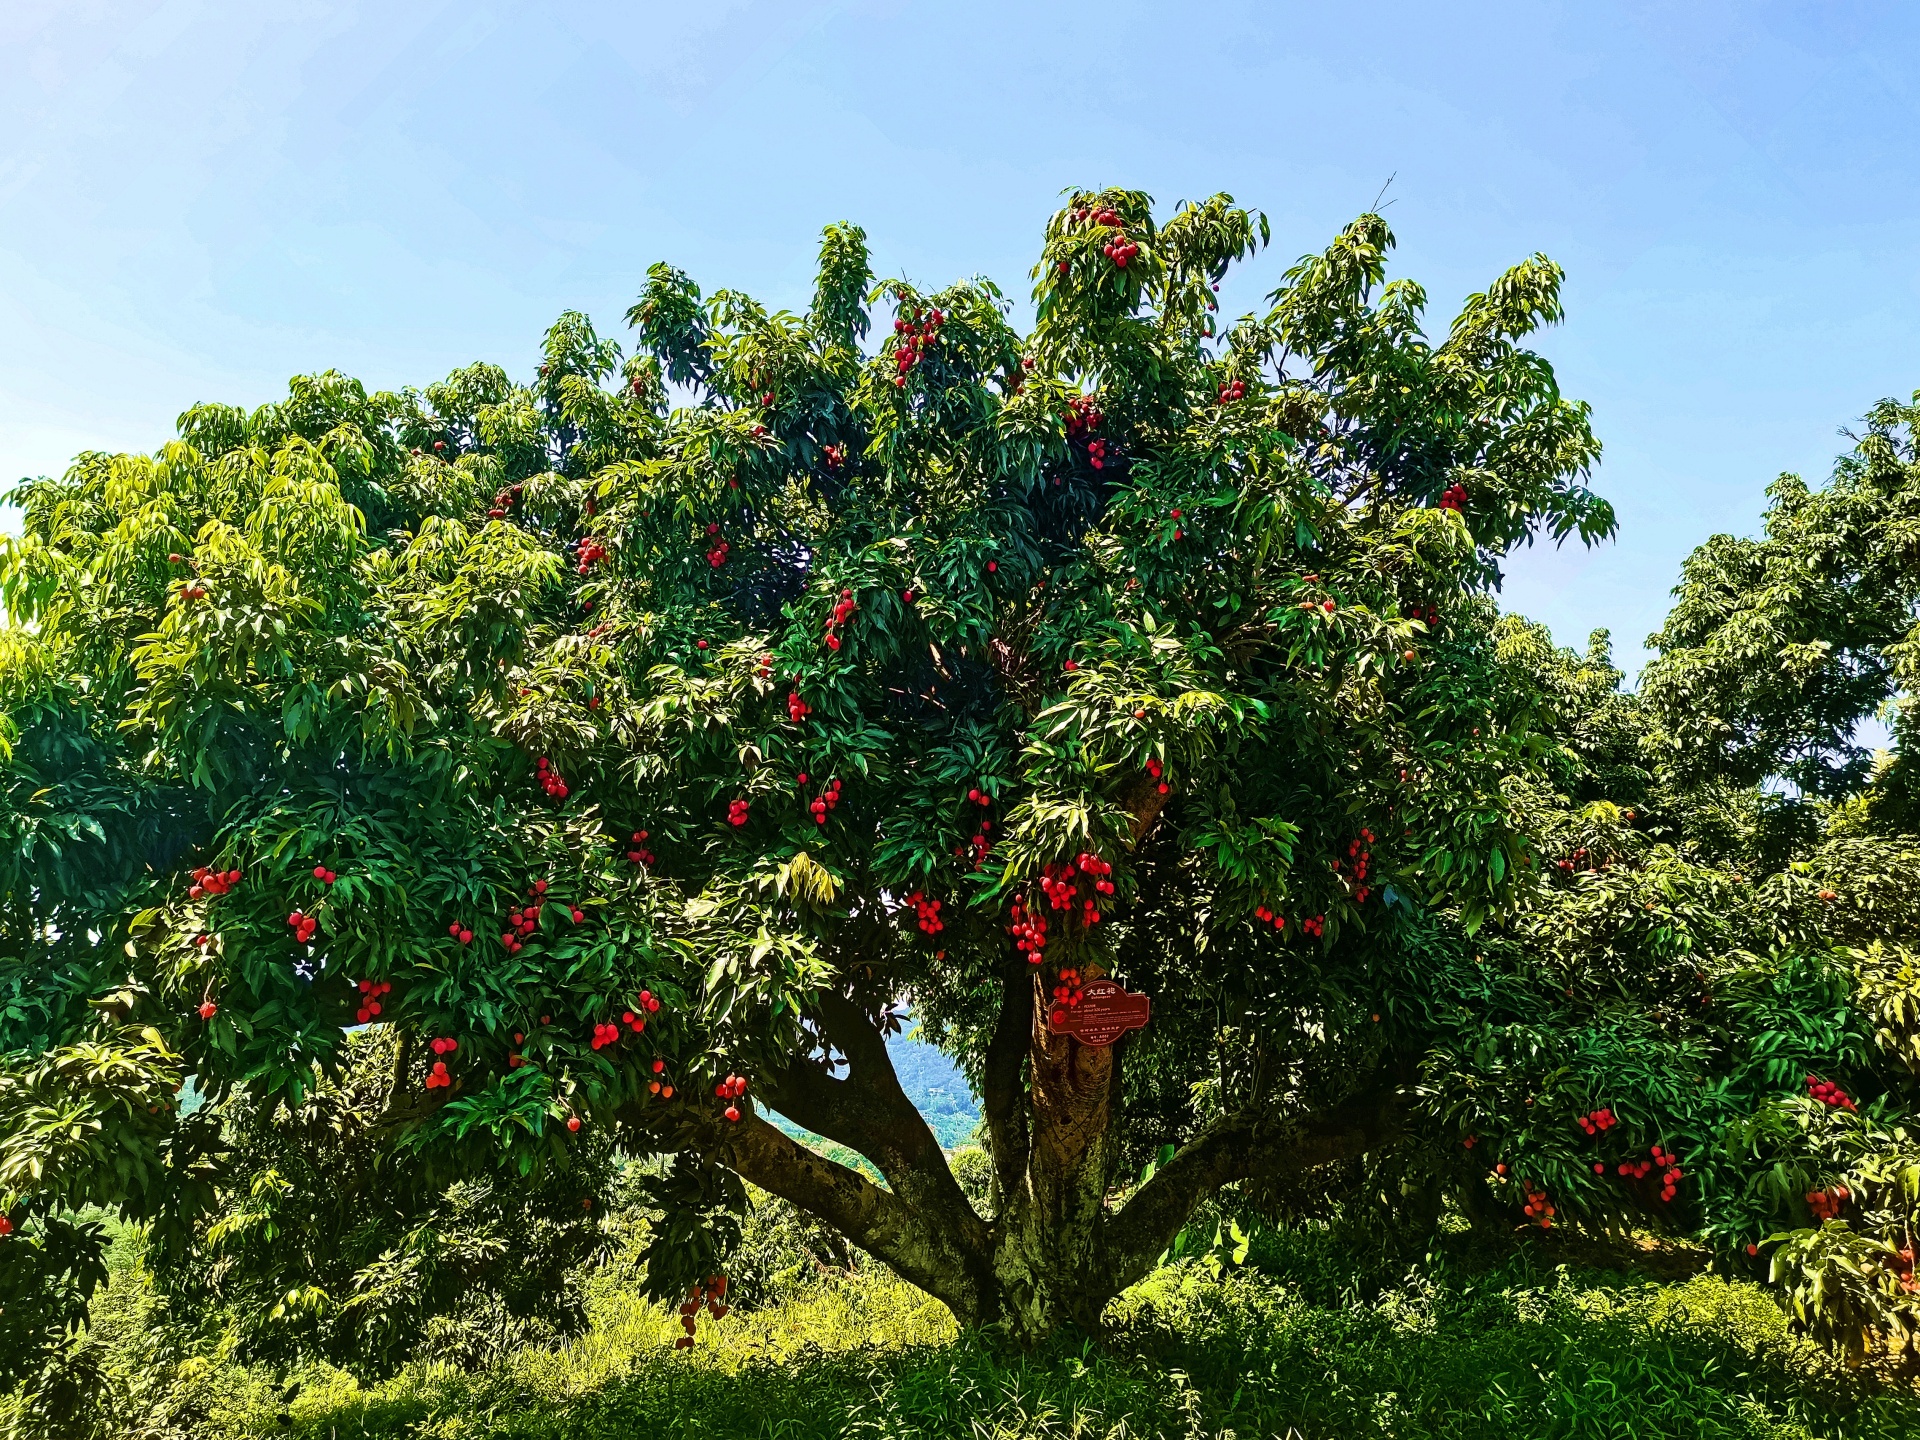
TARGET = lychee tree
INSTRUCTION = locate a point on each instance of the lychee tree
(638, 769)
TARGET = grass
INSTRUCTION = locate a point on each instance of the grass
(1304, 1342)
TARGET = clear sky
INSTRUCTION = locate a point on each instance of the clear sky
(199, 198)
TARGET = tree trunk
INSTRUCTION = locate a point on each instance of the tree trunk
(1055, 1251)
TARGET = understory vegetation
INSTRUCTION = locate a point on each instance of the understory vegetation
(1305, 1338)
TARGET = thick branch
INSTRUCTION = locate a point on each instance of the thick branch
(885, 1225)
(870, 1113)
(1002, 1085)
(1236, 1147)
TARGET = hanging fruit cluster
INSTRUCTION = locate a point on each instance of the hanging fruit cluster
(797, 709)
(731, 1088)
(1097, 454)
(591, 551)
(1595, 1122)
(1828, 1093)
(1826, 1204)
(1155, 772)
(736, 812)
(524, 921)
(1028, 928)
(765, 670)
(639, 854)
(1455, 497)
(438, 1078)
(1538, 1208)
(193, 590)
(1266, 916)
(1313, 925)
(846, 606)
(212, 882)
(1360, 858)
(1066, 994)
(550, 780)
(717, 556)
(1083, 416)
(324, 875)
(370, 993)
(836, 455)
(505, 500)
(1233, 390)
(926, 913)
(1117, 248)
(1660, 1159)
(711, 1293)
(658, 1086)
(917, 333)
(826, 800)
(605, 1034)
(303, 926)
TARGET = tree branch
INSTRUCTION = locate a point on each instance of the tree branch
(1236, 1147)
(1003, 1093)
(884, 1224)
(870, 1113)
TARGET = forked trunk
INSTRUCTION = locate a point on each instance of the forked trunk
(1054, 1251)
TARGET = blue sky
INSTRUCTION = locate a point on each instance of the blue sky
(199, 198)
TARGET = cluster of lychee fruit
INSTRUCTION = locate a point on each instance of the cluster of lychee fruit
(1097, 454)
(835, 455)
(460, 932)
(797, 709)
(503, 501)
(370, 993)
(1083, 416)
(841, 611)
(1313, 925)
(1596, 1122)
(639, 854)
(607, 1034)
(926, 913)
(1360, 858)
(591, 551)
(1538, 1208)
(1828, 1093)
(826, 800)
(1577, 860)
(916, 335)
(1233, 390)
(736, 812)
(1661, 1159)
(324, 875)
(731, 1089)
(1156, 772)
(1028, 928)
(1826, 1204)
(717, 556)
(212, 882)
(437, 1077)
(711, 1293)
(1066, 994)
(1268, 917)
(303, 926)
(1455, 497)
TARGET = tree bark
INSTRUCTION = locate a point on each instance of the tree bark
(1054, 1252)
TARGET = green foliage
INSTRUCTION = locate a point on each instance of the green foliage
(1307, 1338)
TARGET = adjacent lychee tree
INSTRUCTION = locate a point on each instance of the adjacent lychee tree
(637, 770)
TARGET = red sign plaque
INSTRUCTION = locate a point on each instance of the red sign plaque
(1104, 1014)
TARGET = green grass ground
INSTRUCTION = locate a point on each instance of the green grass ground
(1300, 1343)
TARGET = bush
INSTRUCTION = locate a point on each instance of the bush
(1309, 1338)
